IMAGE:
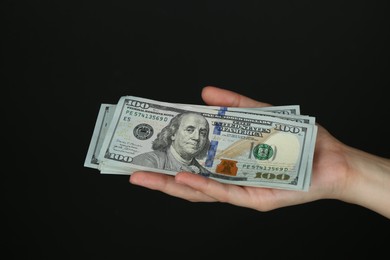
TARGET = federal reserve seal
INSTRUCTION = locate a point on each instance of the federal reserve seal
(263, 151)
(143, 131)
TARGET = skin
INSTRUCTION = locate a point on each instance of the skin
(339, 172)
(191, 136)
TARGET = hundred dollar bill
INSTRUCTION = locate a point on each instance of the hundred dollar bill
(277, 113)
(241, 148)
(282, 110)
(290, 112)
(106, 112)
(293, 117)
(102, 123)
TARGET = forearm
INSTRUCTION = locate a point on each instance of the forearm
(369, 181)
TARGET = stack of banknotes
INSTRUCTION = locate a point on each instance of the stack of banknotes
(270, 147)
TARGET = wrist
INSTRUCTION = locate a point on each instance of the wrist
(368, 181)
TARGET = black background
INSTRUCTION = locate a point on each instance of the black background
(62, 59)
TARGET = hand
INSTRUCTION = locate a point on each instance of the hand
(338, 173)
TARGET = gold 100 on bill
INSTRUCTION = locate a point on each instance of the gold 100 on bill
(263, 147)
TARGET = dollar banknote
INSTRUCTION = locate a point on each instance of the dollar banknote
(106, 112)
(263, 147)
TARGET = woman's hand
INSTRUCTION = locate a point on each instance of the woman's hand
(339, 172)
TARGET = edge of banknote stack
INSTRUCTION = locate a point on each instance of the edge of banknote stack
(271, 147)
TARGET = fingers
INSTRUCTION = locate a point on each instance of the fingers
(222, 192)
(189, 186)
(167, 184)
(197, 188)
(227, 193)
(215, 96)
(262, 199)
(192, 187)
